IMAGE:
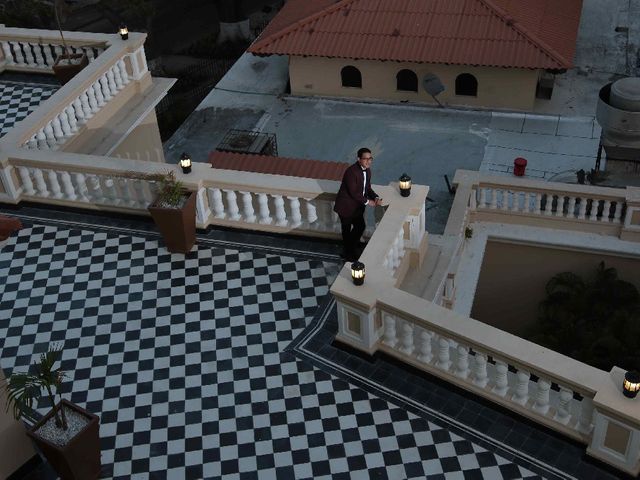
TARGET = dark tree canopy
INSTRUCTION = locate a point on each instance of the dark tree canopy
(594, 320)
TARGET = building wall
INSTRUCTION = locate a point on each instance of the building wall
(143, 142)
(509, 88)
(513, 278)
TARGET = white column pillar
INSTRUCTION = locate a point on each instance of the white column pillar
(425, 354)
(81, 187)
(406, 341)
(542, 397)
(203, 212)
(247, 207)
(389, 336)
(444, 361)
(263, 210)
(27, 184)
(215, 200)
(69, 191)
(605, 211)
(571, 208)
(281, 215)
(480, 377)
(501, 379)
(312, 214)
(593, 214)
(296, 215)
(53, 183)
(521, 394)
(582, 211)
(563, 415)
(232, 205)
(41, 185)
(462, 361)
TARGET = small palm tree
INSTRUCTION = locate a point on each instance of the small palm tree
(23, 389)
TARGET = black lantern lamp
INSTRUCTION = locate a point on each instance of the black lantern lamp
(631, 384)
(185, 163)
(405, 185)
(123, 31)
(357, 273)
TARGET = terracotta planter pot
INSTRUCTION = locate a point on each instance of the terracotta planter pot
(177, 225)
(79, 459)
(65, 72)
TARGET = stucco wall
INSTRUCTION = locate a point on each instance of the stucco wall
(513, 278)
(143, 142)
(509, 88)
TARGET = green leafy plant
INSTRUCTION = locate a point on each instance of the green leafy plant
(25, 389)
(595, 320)
(170, 191)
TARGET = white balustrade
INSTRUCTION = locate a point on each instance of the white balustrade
(281, 215)
(27, 183)
(444, 361)
(215, 200)
(81, 187)
(406, 339)
(247, 207)
(424, 345)
(389, 336)
(312, 215)
(462, 361)
(542, 397)
(521, 394)
(263, 210)
(32, 55)
(41, 185)
(480, 377)
(296, 215)
(563, 413)
(54, 184)
(501, 380)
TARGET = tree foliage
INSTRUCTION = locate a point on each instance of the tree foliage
(594, 320)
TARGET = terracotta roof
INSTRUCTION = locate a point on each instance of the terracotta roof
(500, 33)
(293, 167)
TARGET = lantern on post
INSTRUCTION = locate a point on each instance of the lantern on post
(357, 273)
(631, 384)
(123, 31)
(405, 185)
(185, 163)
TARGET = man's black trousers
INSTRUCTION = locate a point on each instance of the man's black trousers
(352, 229)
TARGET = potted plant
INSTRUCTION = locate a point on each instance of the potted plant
(68, 435)
(67, 64)
(174, 212)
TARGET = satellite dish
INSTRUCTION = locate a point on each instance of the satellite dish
(432, 84)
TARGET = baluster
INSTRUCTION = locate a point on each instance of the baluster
(89, 103)
(71, 117)
(389, 336)
(27, 184)
(617, 212)
(506, 194)
(538, 209)
(215, 200)
(58, 134)
(483, 198)
(97, 193)
(542, 397)
(548, 207)
(406, 346)
(104, 87)
(582, 212)
(115, 72)
(53, 183)
(41, 185)
(111, 82)
(585, 422)
(232, 205)
(111, 192)
(281, 216)
(312, 214)
(473, 199)
(593, 214)
(563, 415)
(49, 135)
(501, 379)
(480, 377)
(296, 214)
(571, 209)
(494, 199)
(95, 87)
(560, 206)
(521, 394)
(41, 140)
(22, 53)
(81, 186)
(202, 208)
(48, 57)
(395, 260)
(128, 192)
(443, 354)
(37, 55)
(8, 56)
(424, 347)
(69, 190)
(144, 193)
(64, 124)
(247, 207)
(263, 209)
(515, 206)
(124, 75)
(32, 143)
(606, 209)
(462, 361)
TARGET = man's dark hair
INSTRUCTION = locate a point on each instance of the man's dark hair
(362, 151)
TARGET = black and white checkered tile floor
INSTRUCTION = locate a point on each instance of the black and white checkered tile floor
(19, 100)
(185, 359)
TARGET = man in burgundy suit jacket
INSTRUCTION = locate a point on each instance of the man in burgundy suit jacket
(354, 195)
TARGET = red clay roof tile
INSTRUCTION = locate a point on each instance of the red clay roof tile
(500, 33)
(293, 167)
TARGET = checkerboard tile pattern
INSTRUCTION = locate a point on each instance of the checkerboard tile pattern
(19, 100)
(184, 359)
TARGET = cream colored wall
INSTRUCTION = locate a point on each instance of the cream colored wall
(513, 278)
(15, 446)
(511, 88)
(143, 142)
